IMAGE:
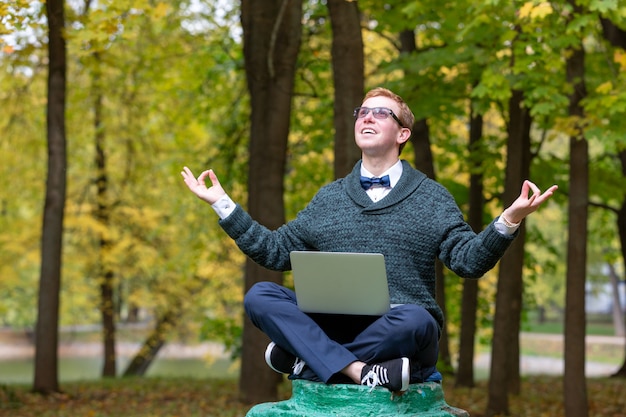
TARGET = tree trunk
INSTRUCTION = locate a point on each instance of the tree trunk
(425, 163)
(105, 274)
(469, 302)
(272, 33)
(617, 37)
(420, 138)
(167, 321)
(348, 79)
(621, 227)
(46, 378)
(574, 383)
(107, 313)
(504, 370)
(617, 310)
(518, 169)
(141, 362)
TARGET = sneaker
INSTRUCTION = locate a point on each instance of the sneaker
(282, 361)
(393, 375)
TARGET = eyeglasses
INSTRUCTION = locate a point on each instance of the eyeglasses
(377, 112)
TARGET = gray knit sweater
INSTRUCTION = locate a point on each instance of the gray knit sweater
(414, 224)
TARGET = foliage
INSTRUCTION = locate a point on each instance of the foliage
(228, 330)
(173, 92)
(22, 145)
(160, 113)
(541, 396)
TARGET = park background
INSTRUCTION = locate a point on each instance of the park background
(263, 92)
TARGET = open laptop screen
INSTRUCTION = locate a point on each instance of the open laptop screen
(340, 282)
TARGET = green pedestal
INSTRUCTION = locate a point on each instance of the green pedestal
(315, 399)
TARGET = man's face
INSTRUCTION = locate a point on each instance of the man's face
(377, 136)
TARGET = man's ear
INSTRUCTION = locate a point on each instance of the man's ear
(405, 135)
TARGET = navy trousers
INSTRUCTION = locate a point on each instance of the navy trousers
(327, 343)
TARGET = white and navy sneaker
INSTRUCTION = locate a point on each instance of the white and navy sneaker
(282, 361)
(393, 375)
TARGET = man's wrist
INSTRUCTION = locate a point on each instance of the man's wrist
(224, 206)
(504, 226)
(507, 222)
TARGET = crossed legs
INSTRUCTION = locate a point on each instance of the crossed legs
(332, 345)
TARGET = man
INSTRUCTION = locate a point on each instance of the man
(383, 206)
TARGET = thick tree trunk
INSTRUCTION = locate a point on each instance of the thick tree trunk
(512, 264)
(504, 371)
(348, 78)
(272, 33)
(621, 227)
(617, 37)
(469, 302)
(574, 383)
(46, 378)
(425, 163)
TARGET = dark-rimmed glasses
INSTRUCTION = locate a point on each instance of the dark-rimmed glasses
(377, 112)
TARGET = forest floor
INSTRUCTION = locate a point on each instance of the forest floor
(190, 397)
(541, 390)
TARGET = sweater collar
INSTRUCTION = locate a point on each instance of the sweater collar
(409, 181)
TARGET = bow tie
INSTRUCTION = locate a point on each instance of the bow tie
(367, 182)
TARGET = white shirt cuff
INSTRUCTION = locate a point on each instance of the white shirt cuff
(505, 227)
(224, 206)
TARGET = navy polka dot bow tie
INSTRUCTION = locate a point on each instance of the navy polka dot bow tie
(367, 182)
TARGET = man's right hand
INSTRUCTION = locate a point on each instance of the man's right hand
(198, 187)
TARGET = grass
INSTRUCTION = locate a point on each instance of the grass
(178, 397)
(597, 325)
(594, 328)
(553, 347)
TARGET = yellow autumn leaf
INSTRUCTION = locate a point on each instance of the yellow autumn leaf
(161, 10)
(620, 58)
(542, 10)
(535, 11)
(604, 88)
(526, 9)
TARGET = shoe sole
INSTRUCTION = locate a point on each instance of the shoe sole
(406, 370)
(268, 355)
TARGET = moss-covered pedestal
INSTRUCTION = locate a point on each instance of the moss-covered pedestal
(315, 399)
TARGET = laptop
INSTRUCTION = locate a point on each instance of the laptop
(340, 282)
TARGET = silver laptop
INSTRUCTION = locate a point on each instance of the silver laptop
(340, 282)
